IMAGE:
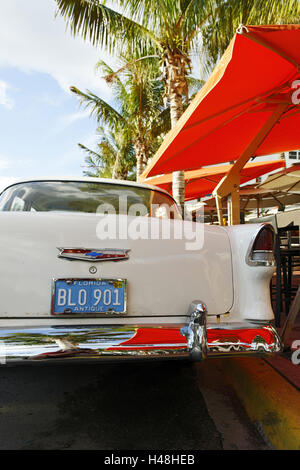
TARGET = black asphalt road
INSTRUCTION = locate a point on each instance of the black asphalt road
(132, 406)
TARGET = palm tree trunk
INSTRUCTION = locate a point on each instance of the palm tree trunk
(178, 188)
(141, 157)
(115, 172)
(178, 184)
(175, 70)
(139, 165)
(176, 106)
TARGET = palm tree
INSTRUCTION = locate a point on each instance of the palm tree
(172, 28)
(138, 113)
(114, 158)
(140, 95)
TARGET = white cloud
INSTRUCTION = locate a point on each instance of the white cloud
(69, 119)
(33, 40)
(49, 100)
(5, 100)
(66, 120)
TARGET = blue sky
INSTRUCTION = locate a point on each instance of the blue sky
(40, 120)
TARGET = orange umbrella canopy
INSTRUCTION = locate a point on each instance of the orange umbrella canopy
(201, 182)
(258, 71)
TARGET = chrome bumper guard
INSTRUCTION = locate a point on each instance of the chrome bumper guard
(117, 342)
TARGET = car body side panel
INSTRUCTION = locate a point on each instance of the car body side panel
(252, 299)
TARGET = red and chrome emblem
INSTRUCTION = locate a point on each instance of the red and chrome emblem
(94, 254)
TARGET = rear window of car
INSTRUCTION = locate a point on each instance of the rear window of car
(73, 196)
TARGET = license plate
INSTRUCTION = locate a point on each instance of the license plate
(89, 296)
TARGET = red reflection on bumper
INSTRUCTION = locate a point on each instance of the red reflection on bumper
(171, 338)
(246, 336)
(153, 338)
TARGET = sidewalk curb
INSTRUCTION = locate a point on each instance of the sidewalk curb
(271, 402)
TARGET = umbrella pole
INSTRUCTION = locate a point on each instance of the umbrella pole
(219, 209)
(231, 182)
(233, 208)
(257, 207)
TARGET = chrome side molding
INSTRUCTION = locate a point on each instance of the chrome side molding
(195, 332)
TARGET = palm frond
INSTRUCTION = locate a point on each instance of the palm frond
(103, 26)
(195, 84)
(91, 153)
(111, 76)
(99, 108)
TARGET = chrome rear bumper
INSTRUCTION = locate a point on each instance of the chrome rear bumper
(117, 342)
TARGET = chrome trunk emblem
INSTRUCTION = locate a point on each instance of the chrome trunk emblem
(93, 254)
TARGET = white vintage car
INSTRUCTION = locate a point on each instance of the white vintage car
(100, 269)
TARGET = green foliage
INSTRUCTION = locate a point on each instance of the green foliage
(99, 108)
(114, 156)
(226, 16)
(144, 27)
(101, 25)
(140, 26)
(138, 120)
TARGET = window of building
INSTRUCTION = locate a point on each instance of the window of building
(294, 155)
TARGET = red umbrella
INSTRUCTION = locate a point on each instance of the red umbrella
(248, 107)
(201, 182)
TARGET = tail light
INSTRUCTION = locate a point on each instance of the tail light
(261, 251)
